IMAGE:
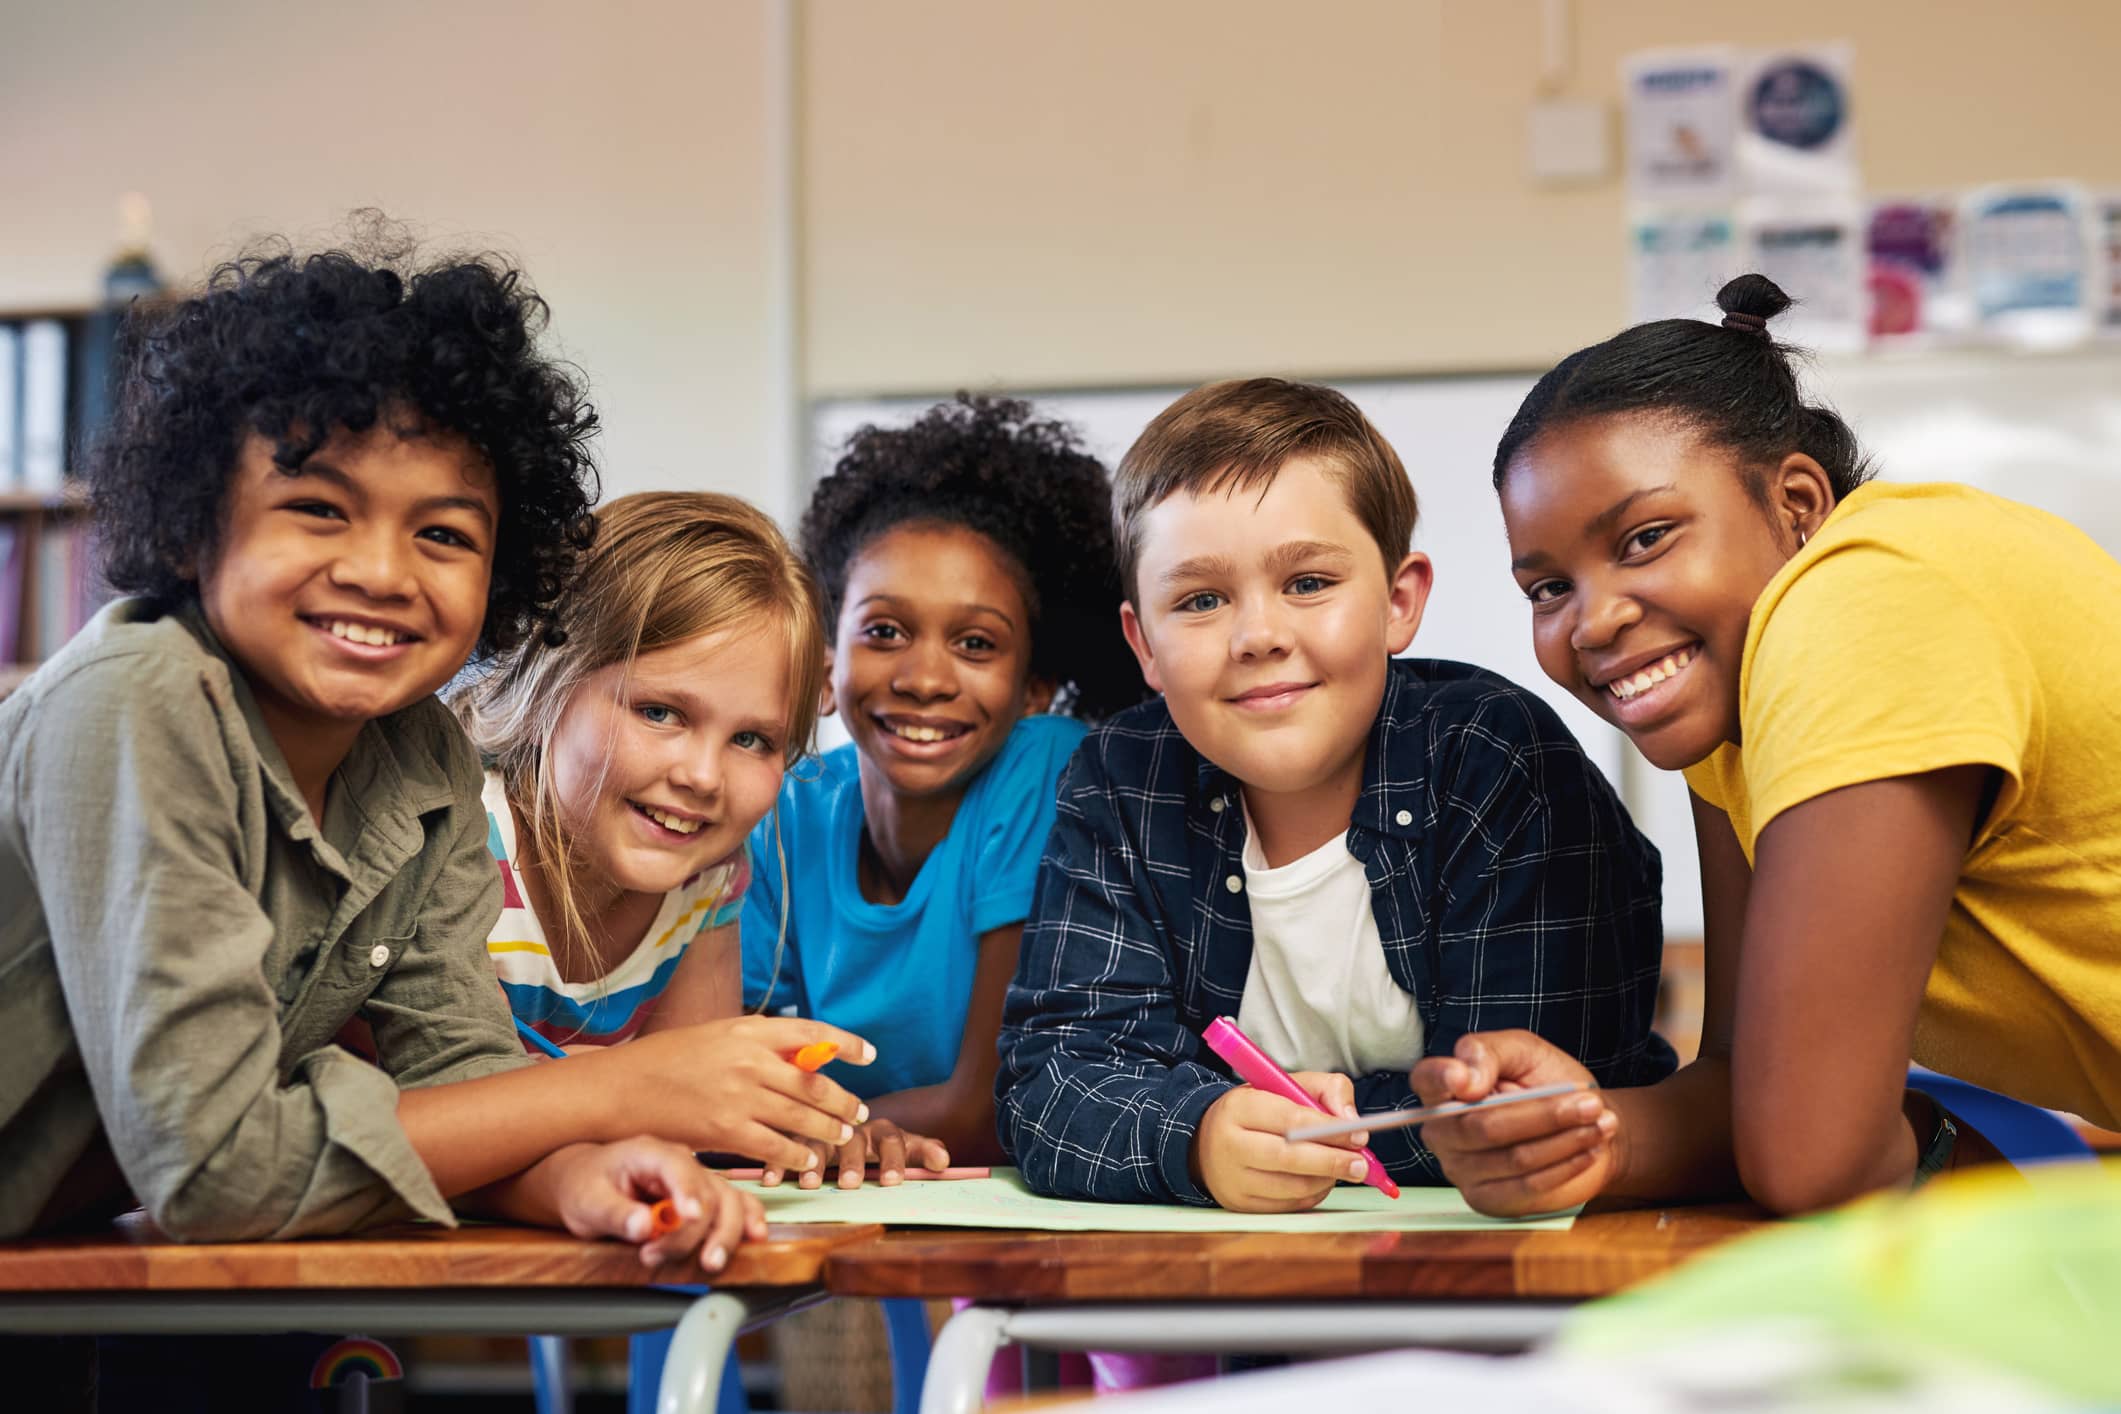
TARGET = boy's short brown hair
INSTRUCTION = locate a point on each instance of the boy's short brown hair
(1236, 435)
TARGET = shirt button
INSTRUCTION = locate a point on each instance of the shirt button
(1217, 804)
(1234, 884)
(1405, 817)
(378, 955)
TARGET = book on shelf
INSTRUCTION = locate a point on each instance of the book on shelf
(10, 404)
(69, 590)
(10, 592)
(43, 423)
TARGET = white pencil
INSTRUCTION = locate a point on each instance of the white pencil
(1400, 1119)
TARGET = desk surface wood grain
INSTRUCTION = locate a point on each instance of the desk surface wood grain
(1601, 1254)
(133, 1256)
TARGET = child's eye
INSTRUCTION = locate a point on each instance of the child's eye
(323, 510)
(1644, 539)
(1205, 602)
(881, 633)
(443, 535)
(1546, 591)
(755, 741)
(656, 714)
(1309, 584)
(976, 643)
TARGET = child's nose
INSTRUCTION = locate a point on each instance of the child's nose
(1600, 616)
(924, 673)
(699, 770)
(1259, 630)
(377, 564)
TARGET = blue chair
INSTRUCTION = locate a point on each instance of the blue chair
(905, 1324)
(2024, 1134)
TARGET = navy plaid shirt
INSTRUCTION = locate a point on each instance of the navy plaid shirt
(1509, 886)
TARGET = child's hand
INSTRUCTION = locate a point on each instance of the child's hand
(730, 1086)
(609, 1190)
(1247, 1165)
(892, 1146)
(1529, 1158)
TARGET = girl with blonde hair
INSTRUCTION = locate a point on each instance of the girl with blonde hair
(631, 747)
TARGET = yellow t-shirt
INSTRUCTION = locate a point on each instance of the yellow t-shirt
(1933, 626)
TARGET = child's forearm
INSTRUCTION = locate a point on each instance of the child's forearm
(530, 1197)
(963, 1120)
(473, 1133)
(1674, 1139)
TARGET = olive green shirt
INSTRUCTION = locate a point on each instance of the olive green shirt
(179, 944)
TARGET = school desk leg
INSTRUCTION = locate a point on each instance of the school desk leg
(957, 1366)
(700, 1347)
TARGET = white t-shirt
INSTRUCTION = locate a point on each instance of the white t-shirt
(1319, 995)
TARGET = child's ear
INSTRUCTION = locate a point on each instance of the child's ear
(1407, 595)
(1800, 496)
(1130, 624)
(827, 704)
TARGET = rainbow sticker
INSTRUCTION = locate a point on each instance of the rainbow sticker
(355, 1354)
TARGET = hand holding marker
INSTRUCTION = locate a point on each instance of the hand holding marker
(1257, 1069)
(1401, 1119)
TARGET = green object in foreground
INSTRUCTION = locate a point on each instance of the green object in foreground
(1004, 1201)
(2011, 1270)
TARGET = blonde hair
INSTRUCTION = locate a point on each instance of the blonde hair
(665, 567)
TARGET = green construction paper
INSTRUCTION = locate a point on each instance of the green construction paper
(1004, 1201)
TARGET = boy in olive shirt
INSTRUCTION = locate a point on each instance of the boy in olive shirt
(233, 817)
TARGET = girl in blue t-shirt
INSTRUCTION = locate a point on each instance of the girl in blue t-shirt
(967, 568)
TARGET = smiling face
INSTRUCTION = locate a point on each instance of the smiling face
(661, 771)
(356, 584)
(931, 662)
(1642, 553)
(1266, 620)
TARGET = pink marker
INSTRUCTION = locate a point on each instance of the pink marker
(1257, 1069)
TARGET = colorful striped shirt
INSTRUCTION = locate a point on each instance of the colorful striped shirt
(607, 1009)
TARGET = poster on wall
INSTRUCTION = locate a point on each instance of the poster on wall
(1795, 130)
(2029, 262)
(1680, 260)
(1681, 118)
(1916, 296)
(2110, 245)
(1817, 252)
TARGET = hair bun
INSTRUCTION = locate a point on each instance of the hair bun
(1755, 298)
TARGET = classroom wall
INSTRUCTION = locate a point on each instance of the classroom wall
(1110, 192)
(622, 150)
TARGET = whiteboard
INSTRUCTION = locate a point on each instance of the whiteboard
(2044, 429)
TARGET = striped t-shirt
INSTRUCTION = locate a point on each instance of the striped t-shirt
(608, 1009)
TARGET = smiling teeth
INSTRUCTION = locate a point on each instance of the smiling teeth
(669, 821)
(1637, 683)
(363, 633)
(913, 733)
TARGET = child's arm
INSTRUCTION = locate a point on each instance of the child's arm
(1098, 1094)
(614, 1190)
(1668, 1140)
(934, 1126)
(959, 1113)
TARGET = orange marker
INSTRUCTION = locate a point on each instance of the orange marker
(813, 1056)
(663, 1218)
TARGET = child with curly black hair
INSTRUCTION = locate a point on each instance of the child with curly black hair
(237, 818)
(967, 569)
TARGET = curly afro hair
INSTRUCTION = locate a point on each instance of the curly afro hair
(295, 348)
(1026, 484)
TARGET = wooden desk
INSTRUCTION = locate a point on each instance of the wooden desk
(1241, 1292)
(416, 1280)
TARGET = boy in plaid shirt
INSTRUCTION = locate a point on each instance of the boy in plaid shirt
(1360, 857)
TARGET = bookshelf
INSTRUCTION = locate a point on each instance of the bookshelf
(49, 584)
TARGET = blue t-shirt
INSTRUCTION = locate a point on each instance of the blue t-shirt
(899, 975)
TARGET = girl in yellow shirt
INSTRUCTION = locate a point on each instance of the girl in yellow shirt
(1898, 709)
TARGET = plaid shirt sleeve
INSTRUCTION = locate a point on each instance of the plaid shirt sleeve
(1097, 1095)
(1542, 901)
